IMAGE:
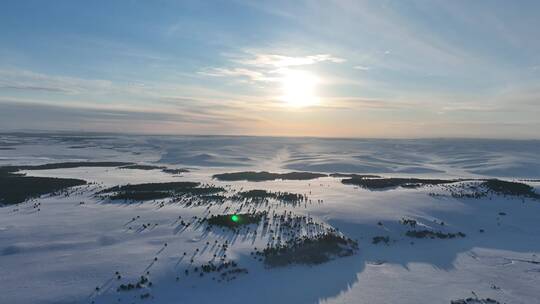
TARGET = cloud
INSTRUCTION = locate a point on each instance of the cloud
(31, 81)
(372, 104)
(266, 67)
(28, 115)
(468, 108)
(197, 104)
(280, 61)
(362, 68)
(237, 72)
(34, 88)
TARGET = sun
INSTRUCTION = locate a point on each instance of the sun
(299, 88)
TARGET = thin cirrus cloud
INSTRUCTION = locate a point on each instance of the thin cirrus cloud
(362, 67)
(28, 115)
(17, 79)
(237, 72)
(264, 67)
(281, 61)
(49, 94)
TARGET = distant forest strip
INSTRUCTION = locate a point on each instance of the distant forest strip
(354, 175)
(261, 176)
(69, 165)
(64, 165)
(382, 183)
(17, 188)
(480, 189)
(153, 167)
(510, 188)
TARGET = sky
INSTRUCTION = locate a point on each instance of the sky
(388, 69)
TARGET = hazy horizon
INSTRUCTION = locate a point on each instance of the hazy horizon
(119, 133)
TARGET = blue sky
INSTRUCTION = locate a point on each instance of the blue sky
(294, 68)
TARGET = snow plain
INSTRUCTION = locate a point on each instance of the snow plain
(61, 253)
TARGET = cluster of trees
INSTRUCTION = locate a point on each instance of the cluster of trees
(142, 282)
(482, 188)
(382, 183)
(235, 220)
(154, 191)
(262, 196)
(308, 250)
(379, 239)
(422, 234)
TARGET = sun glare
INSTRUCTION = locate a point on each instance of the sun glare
(299, 88)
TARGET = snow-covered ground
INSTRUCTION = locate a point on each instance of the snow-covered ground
(62, 252)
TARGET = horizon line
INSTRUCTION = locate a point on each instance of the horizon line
(52, 132)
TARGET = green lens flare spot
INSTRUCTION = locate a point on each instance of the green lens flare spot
(235, 218)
